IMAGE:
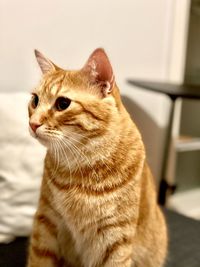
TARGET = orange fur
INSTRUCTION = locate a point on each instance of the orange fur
(97, 205)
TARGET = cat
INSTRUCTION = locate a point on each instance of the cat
(97, 205)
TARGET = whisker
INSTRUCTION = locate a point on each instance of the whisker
(56, 157)
(77, 149)
(65, 154)
(73, 153)
(81, 153)
(100, 158)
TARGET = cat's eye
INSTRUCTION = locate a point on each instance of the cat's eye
(35, 100)
(62, 103)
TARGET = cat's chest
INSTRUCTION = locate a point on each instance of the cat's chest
(80, 209)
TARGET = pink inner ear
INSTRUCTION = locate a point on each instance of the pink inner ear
(99, 69)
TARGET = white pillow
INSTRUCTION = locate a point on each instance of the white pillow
(21, 164)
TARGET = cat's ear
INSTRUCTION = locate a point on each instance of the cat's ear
(45, 64)
(100, 71)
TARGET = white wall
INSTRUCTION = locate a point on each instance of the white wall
(132, 32)
(135, 33)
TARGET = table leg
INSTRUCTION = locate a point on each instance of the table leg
(164, 185)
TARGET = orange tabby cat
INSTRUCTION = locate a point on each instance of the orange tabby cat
(97, 205)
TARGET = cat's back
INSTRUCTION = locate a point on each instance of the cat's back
(151, 236)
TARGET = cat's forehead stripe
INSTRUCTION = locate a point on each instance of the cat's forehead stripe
(53, 84)
(64, 83)
(54, 89)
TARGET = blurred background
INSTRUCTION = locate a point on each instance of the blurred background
(155, 40)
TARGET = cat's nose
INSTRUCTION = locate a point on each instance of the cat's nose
(34, 126)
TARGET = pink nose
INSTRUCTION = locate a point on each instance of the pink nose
(34, 126)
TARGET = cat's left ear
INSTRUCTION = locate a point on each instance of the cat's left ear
(100, 71)
(45, 64)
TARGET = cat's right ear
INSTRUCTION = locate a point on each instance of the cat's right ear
(45, 64)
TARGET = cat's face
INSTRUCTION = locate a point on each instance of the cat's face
(70, 108)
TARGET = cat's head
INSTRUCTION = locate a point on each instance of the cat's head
(71, 107)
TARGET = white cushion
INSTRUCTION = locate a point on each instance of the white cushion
(21, 164)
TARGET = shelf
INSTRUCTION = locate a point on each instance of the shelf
(186, 202)
(187, 143)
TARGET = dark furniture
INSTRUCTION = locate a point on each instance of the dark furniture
(184, 244)
(173, 91)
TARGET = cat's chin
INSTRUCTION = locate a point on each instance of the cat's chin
(44, 142)
(42, 139)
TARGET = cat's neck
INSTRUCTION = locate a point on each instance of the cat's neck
(100, 158)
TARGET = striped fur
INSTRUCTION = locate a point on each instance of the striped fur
(97, 205)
